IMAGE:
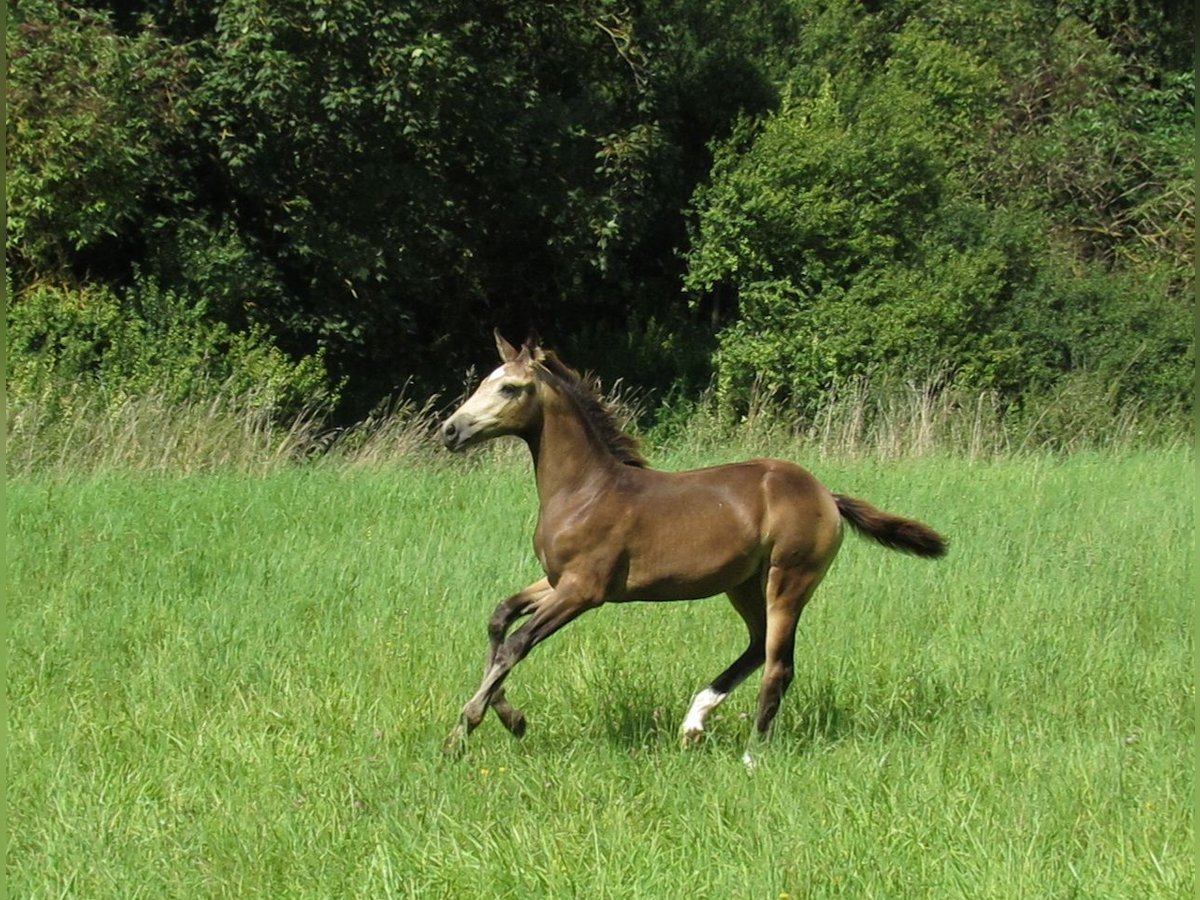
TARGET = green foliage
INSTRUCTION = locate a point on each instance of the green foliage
(237, 283)
(90, 118)
(68, 346)
(709, 64)
(347, 177)
(1102, 146)
(994, 192)
(410, 166)
(809, 224)
(948, 220)
(959, 87)
(817, 195)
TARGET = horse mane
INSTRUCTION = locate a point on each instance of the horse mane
(596, 411)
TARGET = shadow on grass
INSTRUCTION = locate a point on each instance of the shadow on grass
(828, 713)
(820, 714)
(638, 722)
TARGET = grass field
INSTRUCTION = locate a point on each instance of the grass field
(236, 686)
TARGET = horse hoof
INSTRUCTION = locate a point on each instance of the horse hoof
(689, 739)
(517, 725)
(511, 718)
(455, 744)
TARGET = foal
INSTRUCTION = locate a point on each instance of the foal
(610, 529)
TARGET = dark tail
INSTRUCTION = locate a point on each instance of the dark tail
(905, 535)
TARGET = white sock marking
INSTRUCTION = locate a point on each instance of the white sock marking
(706, 701)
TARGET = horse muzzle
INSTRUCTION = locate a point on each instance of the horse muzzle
(452, 435)
(458, 431)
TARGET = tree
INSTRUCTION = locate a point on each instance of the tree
(92, 120)
(919, 209)
(417, 168)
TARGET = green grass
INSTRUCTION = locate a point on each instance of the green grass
(236, 686)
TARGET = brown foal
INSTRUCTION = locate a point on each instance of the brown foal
(610, 529)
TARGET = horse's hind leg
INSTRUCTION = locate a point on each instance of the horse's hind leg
(748, 600)
(788, 590)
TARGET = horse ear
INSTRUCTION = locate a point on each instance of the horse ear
(507, 351)
(533, 344)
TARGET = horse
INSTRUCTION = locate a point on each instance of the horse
(611, 529)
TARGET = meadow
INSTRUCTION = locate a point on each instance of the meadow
(231, 684)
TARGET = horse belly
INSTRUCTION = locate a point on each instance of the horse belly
(689, 560)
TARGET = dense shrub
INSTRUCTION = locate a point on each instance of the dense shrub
(996, 194)
(409, 169)
(72, 346)
(91, 118)
(905, 221)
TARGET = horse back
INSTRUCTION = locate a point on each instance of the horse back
(691, 534)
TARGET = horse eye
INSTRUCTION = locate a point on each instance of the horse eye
(510, 390)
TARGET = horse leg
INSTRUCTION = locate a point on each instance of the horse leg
(788, 590)
(507, 612)
(556, 609)
(747, 599)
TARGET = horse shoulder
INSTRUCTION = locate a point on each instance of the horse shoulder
(583, 536)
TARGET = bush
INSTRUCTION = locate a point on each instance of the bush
(90, 115)
(911, 224)
(68, 346)
(809, 223)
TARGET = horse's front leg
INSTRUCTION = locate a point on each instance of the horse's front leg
(507, 612)
(554, 610)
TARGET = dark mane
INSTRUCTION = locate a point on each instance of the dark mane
(596, 412)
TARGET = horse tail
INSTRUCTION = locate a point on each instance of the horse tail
(894, 532)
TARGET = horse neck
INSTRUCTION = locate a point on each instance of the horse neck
(567, 454)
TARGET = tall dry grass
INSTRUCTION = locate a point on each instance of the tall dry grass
(226, 433)
(149, 433)
(861, 419)
(858, 420)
